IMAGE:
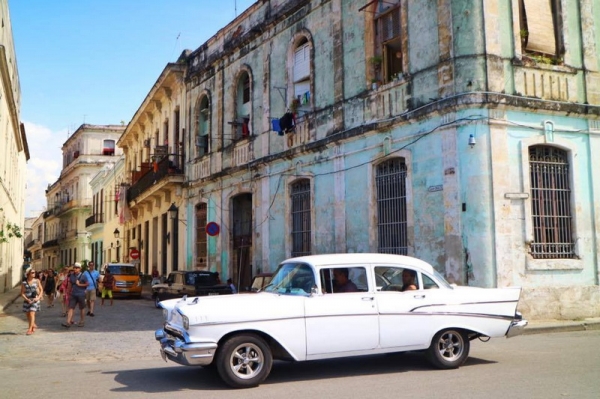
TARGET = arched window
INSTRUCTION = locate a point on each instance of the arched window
(301, 75)
(202, 130)
(243, 107)
(550, 203)
(301, 220)
(390, 181)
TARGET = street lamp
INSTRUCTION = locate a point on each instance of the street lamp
(117, 233)
(173, 210)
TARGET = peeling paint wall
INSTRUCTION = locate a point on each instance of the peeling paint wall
(465, 76)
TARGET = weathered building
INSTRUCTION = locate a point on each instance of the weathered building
(463, 133)
(14, 155)
(70, 198)
(153, 144)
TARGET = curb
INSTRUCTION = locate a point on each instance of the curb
(567, 326)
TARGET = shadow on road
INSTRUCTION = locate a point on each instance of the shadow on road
(180, 378)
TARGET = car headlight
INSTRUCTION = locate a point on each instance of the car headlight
(186, 322)
(139, 283)
(166, 314)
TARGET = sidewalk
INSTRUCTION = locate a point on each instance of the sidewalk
(534, 326)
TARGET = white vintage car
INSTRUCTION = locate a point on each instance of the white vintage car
(328, 306)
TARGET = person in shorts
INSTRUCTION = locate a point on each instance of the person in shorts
(79, 282)
(108, 283)
(90, 291)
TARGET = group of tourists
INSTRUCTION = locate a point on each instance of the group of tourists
(71, 286)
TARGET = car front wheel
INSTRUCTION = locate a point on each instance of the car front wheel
(244, 361)
(449, 349)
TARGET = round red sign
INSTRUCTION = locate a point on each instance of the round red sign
(212, 229)
(134, 254)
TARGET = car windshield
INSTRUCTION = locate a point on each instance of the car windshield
(441, 279)
(123, 270)
(292, 279)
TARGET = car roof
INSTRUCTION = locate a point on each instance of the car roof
(362, 258)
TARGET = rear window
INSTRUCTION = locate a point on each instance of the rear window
(123, 270)
(201, 280)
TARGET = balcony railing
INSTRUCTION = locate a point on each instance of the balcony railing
(166, 168)
(99, 218)
(50, 243)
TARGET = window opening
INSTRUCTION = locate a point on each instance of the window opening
(391, 207)
(541, 30)
(301, 222)
(201, 236)
(550, 204)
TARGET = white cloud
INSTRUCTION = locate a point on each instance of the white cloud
(44, 165)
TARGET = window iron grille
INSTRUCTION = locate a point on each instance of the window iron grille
(392, 222)
(301, 222)
(550, 204)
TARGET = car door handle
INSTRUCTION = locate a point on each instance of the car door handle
(419, 296)
(367, 298)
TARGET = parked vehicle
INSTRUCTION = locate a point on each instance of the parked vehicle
(190, 283)
(329, 306)
(128, 279)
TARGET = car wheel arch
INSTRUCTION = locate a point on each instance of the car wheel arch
(277, 349)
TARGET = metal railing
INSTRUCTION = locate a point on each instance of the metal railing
(170, 165)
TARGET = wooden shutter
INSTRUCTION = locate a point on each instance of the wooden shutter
(301, 63)
(540, 26)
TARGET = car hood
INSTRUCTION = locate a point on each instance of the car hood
(236, 308)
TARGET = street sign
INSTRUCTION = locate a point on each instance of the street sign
(212, 229)
(134, 253)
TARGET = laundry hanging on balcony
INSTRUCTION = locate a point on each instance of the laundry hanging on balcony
(287, 123)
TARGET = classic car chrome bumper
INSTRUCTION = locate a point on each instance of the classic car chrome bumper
(516, 328)
(178, 351)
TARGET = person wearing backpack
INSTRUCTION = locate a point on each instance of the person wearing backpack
(90, 291)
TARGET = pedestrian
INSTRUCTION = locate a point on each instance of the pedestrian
(50, 287)
(232, 286)
(65, 289)
(31, 291)
(90, 291)
(108, 283)
(155, 277)
(79, 282)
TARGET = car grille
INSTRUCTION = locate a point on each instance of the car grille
(124, 284)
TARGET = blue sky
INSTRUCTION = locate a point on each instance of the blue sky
(94, 61)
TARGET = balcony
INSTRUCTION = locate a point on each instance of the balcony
(50, 243)
(99, 218)
(166, 172)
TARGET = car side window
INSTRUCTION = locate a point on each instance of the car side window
(344, 279)
(394, 278)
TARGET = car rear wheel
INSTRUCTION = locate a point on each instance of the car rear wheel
(244, 361)
(156, 301)
(449, 349)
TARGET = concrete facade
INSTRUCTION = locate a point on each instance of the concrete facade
(154, 172)
(457, 96)
(70, 198)
(14, 155)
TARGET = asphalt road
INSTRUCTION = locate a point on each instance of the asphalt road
(115, 356)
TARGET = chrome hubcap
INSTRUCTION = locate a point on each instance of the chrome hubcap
(246, 361)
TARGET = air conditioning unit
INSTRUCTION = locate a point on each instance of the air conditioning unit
(147, 143)
(202, 141)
